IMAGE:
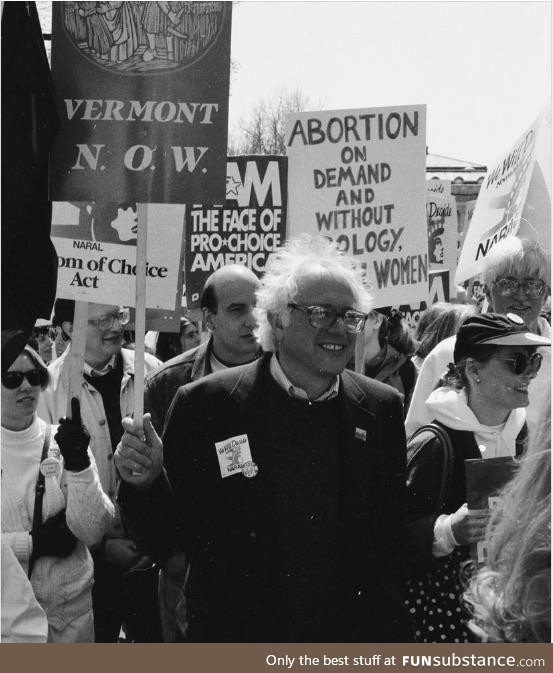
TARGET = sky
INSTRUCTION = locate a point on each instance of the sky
(482, 68)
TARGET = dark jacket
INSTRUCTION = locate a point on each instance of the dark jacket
(423, 479)
(223, 524)
(161, 385)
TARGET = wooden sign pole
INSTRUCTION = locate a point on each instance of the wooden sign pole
(140, 319)
(76, 353)
(360, 352)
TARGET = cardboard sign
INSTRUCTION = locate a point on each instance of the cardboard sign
(246, 229)
(441, 219)
(142, 94)
(96, 246)
(500, 204)
(438, 286)
(358, 177)
(441, 187)
(465, 211)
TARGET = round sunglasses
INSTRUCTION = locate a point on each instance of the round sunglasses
(524, 364)
(13, 379)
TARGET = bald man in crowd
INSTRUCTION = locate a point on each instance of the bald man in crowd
(227, 303)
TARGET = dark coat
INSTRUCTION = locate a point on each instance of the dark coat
(223, 524)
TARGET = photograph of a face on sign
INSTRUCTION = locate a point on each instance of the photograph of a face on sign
(96, 247)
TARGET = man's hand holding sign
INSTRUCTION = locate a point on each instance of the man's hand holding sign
(139, 456)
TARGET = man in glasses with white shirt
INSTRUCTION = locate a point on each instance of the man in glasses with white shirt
(516, 276)
(107, 390)
(282, 480)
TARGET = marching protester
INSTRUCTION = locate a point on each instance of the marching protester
(481, 411)
(516, 277)
(438, 322)
(227, 301)
(170, 344)
(53, 506)
(282, 480)
(388, 350)
(510, 597)
(106, 395)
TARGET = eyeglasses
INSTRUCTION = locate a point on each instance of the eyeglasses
(12, 380)
(320, 316)
(508, 287)
(524, 364)
(106, 321)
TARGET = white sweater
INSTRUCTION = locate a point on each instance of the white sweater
(61, 585)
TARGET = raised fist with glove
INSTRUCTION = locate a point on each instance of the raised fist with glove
(73, 439)
(53, 538)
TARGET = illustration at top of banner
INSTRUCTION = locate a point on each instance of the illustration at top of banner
(144, 106)
(246, 229)
(359, 177)
(500, 204)
(96, 247)
(441, 214)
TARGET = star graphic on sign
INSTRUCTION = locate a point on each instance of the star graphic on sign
(232, 187)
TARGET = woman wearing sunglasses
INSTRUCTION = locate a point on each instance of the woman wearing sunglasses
(482, 410)
(48, 521)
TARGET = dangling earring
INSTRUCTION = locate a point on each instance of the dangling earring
(477, 380)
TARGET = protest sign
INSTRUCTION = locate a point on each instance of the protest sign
(441, 218)
(246, 229)
(500, 204)
(441, 187)
(142, 94)
(485, 478)
(438, 286)
(358, 178)
(96, 246)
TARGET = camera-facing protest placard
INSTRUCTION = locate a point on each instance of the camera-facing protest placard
(500, 204)
(143, 106)
(441, 218)
(96, 247)
(246, 229)
(358, 178)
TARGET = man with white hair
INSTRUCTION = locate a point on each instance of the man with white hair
(516, 278)
(283, 480)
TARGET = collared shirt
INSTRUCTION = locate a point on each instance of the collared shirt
(90, 371)
(284, 382)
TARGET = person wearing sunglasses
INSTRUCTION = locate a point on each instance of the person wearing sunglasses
(51, 544)
(516, 277)
(482, 409)
(107, 393)
(284, 478)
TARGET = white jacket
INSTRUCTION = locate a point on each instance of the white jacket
(62, 586)
(435, 365)
(53, 405)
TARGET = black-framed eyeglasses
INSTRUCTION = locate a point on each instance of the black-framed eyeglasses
(13, 379)
(105, 322)
(523, 363)
(323, 317)
(509, 287)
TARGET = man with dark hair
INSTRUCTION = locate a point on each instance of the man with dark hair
(107, 390)
(227, 303)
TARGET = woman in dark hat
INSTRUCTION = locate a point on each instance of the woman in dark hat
(481, 410)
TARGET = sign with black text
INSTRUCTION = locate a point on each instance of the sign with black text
(358, 177)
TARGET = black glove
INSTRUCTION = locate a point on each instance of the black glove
(53, 538)
(73, 439)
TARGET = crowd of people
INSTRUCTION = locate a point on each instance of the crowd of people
(277, 489)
